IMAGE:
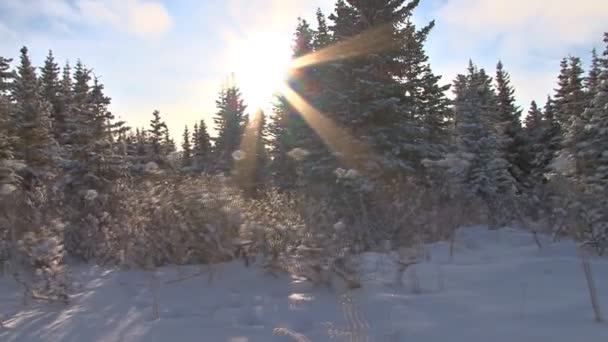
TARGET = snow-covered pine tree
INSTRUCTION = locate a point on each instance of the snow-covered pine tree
(534, 136)
(202, 150)
(288, 129)
(106, 151)
(168, 142)
(594, 147)
(64, 106)
(561, 94)
(508, 124)
(96, 160)
(251, 169)
(571, 108)
(378, 96)
(157, 136)
(426, 96)
(481, 170)
(8, 176)
(186, 148)
(592, 80)
(229, 123)
(322, 36)
(550, 140)
(31, 118)
(51, 91)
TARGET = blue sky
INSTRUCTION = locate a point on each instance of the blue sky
(173, 55)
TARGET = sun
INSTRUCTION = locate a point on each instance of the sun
(260, 63)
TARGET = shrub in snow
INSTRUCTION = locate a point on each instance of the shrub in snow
(177, 221)
(32, 239)
(45, 254)
(574, 213)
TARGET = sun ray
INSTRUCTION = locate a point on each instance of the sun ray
(371, 41)
(246, 159)
(338, 140)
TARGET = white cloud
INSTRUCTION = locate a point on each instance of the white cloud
(526, 24)
(149, 19)
(144, 19)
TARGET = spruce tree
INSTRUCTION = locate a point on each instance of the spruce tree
(572, 108)
(194, 138)
(64, 106)
(289, 129)
(157, 135)
(508, 124)
(32, 117)
(201, 152)
(186, 148)
(550, 140)
(229, 123)
(485, 173)
(593, 148)
(561, 94)
(6, 76)
(322, 36)
(390, 100)
(593, 76)
(251, 169)
(51, 88)
(168, 142)
(534, 135)
(8, 177)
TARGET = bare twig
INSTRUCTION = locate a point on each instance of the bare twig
(595, 304)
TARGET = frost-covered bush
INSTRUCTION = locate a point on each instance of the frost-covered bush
(299, 234)
(32, 240)
(177, 220)
(44, 253)
(578, 214)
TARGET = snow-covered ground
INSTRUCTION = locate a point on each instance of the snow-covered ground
(498, 287)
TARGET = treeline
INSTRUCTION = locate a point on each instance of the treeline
(360, 149)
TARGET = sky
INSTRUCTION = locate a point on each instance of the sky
(174, 55)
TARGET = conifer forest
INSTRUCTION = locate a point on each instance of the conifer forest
(365, 156)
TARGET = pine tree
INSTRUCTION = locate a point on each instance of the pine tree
(561, 93)
(8, 177)
(534, 134)
(251, 169)
(6, 75)
(157, 135)
(593, 76)
(51, 88)
(107, 129)
(229, 122)
(202, 146)
(194, 138)
(64, 106)
(593, 147)
(32, 117)
(425, 97)
(550, 139)
(508, 124)
(485, 173)
(168, 142)
(534, 118)
(289, 129)
(345, 21)
(322, 36)
(186, 148)
(572, 109)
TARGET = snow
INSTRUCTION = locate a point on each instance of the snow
(498, 286)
